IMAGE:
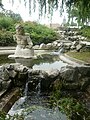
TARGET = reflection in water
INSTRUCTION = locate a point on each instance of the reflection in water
(4, 59)
(47, 62)
(48, 66)
(43, 62)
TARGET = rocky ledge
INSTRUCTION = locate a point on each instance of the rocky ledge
(70, 77)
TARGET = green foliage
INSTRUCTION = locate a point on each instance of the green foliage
(40, 33)
(2, 115)
(48, 6)
(85, 31)
(16, 17)
(6, 38)
(8, 117)
(74, 110)
(6, 23)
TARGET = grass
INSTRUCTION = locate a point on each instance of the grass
(84, 56)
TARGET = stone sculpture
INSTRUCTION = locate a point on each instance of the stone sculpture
(24, 48)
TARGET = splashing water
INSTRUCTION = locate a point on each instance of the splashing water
(35, 107)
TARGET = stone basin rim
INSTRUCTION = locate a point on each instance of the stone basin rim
(77, 61)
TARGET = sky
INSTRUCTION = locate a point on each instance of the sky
(24, 12)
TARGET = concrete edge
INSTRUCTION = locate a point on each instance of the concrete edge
(73, 61)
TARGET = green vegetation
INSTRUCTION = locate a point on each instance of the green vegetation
(6, 38)
(15, 117)
(72, 107)
(84, 56)
(38, 33)
(86, 31)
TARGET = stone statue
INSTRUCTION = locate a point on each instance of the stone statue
(23, 39)
(24, 48)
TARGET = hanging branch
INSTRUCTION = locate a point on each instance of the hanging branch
(29, 6)
(34, 5)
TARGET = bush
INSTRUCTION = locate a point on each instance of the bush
(6, 38)
(6, 23)
(40, 33)
(85, 31)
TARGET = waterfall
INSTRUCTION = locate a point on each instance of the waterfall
(38, 88)
(26, 89)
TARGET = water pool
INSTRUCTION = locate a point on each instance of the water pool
(43, 62)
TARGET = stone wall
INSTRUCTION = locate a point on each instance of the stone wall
(70, 77)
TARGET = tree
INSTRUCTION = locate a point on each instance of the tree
(14, 16)
(82, 15)
(83, 6)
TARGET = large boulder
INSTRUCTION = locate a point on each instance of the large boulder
(75, 77)
(69, 74)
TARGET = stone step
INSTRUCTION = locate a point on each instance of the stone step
(2, 93)
(9, 99)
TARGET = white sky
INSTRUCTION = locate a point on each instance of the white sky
(24, 12)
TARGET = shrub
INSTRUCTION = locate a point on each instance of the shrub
(6, 23)
(6, 38)
(85, 31)
(40, 33)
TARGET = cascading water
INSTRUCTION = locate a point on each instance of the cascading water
(35, 106)
(26, 89)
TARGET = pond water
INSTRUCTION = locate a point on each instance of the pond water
(43, 62)
(4, 59)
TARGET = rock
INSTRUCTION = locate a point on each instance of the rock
(67, 46)
(75, 43)
(12, 74)
(69, 74)
(85, 49)
(52, 74)
(55, 43)
(74, 38)
(79, 46)
(59, 45)
(33, 72)
(49, 46)
(42, 46)
(4, 74)
(43, 75)
(21, 68)
(72, 47)
(36, 47)
(84, 71)
(71, 86)
(6, 84)
(84, 83)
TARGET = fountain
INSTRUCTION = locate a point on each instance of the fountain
(24, 48)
